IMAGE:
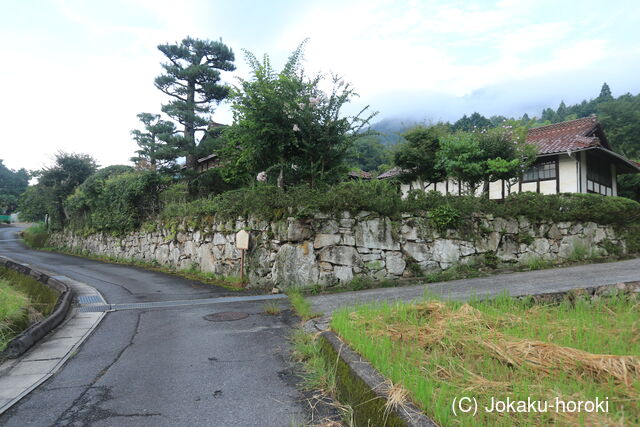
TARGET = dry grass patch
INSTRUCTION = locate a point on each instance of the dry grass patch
(507, 348)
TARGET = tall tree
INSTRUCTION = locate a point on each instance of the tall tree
(368, 153)
(418, 155)
(561, 112)
(154, 141)
(192, 78)
(12, 184)
(475, 158)
(55, 184)
(476, 121)
(605, 94)
(621, 121)
(462, 158)
(286, 126)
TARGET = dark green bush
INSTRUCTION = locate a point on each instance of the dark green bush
(119, 200)
(383, 197)
(36, 236)
(444, 217)
(117, 203)
(208, 183)
(271, 202)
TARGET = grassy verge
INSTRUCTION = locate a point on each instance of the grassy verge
(301, 305)
(506, 348)
(318, 374)
(23, 301)
(13, 313)
(35, 236)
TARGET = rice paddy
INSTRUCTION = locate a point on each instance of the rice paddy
(578, 350)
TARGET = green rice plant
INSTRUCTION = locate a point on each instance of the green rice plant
(580, 348)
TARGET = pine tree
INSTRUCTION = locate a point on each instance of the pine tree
(155, 141)
(192, 78)
(605, 94)
(561, 112)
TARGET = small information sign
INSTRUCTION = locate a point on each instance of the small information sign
(242, 240)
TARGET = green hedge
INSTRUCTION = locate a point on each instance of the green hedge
(383, 197)
(270, 202)
(121, 201)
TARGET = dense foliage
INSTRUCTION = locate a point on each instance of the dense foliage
(46, 200)
(12, 185)
(114, 199)
(156, 148)
(192, 80)
(286, 128)
(383, 197)
(369, 154)
(418, 155)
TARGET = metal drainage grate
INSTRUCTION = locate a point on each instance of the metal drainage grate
(94, 308)
(225, 316)
(90, 299)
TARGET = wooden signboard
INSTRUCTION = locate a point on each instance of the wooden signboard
(242, 243)
(242, 240)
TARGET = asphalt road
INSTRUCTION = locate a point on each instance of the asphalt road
(514, 284)
(163, 366)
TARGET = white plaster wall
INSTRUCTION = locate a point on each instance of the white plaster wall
(405, 188)
(548, 187)
(568, 168)
(495, 190)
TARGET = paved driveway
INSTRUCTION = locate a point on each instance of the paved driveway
(163, 366)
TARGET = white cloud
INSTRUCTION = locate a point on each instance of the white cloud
(83, 95)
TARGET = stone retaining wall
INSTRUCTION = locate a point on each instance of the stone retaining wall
(328, 249)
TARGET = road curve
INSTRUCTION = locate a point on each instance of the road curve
(163, 366)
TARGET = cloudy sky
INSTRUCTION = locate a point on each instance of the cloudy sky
(75, 72)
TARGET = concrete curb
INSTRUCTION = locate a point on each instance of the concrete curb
(20, 376)
(362, 375)
(27, 338)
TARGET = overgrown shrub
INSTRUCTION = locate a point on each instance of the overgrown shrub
(122, 200)
(444, 217)
(271, 202)
(36, 236)
(117, 203)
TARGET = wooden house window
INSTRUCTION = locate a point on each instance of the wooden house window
(541, 170)
(599, 176)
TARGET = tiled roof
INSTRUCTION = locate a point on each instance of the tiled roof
(391, 173)
(360, 174)
(204, 159)
(566, 136)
